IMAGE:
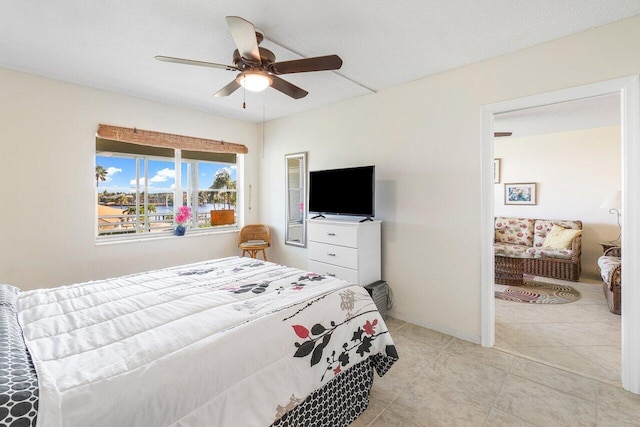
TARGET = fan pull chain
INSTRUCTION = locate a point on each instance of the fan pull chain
(244, 95)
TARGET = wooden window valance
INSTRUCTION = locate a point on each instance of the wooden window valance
(168, 140)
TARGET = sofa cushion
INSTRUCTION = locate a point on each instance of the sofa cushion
(517, 231)
(510, 250)
(543, 227)
(549, 253)
(607, 266)
(560, 237)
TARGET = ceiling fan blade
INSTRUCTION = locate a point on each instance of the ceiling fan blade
(501, 134)
(244, 35)
(288, 88)
(319, 63)
(228, 89)
(194, 62)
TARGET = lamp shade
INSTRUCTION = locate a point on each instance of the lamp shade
(254, 81)
(614, 201)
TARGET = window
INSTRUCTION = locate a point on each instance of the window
(137, 187)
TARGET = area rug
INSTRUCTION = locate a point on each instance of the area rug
(537, 293)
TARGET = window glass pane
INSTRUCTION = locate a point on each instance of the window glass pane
(135, 192)
(157, 209)
(162, 174)
(217, 186)
(115, 194)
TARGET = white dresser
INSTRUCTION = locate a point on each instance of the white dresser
(348, 250)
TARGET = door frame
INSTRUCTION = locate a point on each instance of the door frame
(629, 90)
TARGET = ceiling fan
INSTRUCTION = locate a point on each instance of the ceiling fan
(257, 66)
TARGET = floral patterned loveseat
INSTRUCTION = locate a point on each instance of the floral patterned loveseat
(525, 238)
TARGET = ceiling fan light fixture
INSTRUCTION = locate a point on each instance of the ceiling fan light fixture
(255, 81)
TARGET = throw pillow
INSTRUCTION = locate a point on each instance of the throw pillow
(560, 237)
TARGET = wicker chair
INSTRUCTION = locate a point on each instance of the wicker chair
(611, 271)
(253, 239)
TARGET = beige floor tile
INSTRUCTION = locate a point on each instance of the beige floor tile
(428, 403)
(567, 382)
(501, 341)
(393, 418)
(478, 382)
(515, 312)
(602, 361)
(374, 409)
(599, 362)
(615, 400)
(588, 313)
(394, 324)
(590, 295)
(543, 405)
(415, 358)
(586, 336)
(560, 334)
(609, 417)
(525, 335)
(444, 381)
(487, 356)
(498, 418)
(424, 335)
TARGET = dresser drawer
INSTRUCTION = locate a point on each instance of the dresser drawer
(334, 234)
(332, 254)
(334, 271)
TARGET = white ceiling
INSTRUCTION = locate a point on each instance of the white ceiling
(111, 44)
(581, 114)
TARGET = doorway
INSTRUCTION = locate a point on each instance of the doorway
(629, 90)
(572, 153)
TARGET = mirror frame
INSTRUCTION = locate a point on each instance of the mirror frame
(301, 220)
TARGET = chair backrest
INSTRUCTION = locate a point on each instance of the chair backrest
(615, 251)
(254, 232)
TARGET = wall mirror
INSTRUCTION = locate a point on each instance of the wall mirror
(296, 226)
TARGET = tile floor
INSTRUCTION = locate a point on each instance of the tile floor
(444, 381)
(582, 336)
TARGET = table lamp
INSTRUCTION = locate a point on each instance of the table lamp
(614, 204)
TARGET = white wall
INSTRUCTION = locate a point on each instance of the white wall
(47, 209)
(424, 138)
(575, 172)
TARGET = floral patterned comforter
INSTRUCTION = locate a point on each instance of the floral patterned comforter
(227, 342)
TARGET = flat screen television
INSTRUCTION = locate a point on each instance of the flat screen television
(349, 191)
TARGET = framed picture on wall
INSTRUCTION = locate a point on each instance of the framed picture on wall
(496, 171)
(520, 193)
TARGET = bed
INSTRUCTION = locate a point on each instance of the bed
(227, 342)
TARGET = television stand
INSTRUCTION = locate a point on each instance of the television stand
(318, 216)
(345, 249)
(366, 219)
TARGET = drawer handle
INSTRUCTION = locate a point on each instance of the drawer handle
(330, 254)
(331, 234)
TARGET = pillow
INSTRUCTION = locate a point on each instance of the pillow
(560, 237)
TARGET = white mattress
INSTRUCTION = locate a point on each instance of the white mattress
(212, 343)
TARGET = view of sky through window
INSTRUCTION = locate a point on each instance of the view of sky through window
(121, 173)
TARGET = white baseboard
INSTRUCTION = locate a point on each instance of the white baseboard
(438, 328)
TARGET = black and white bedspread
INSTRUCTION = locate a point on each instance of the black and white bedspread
(229, 342)
(18, 380)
